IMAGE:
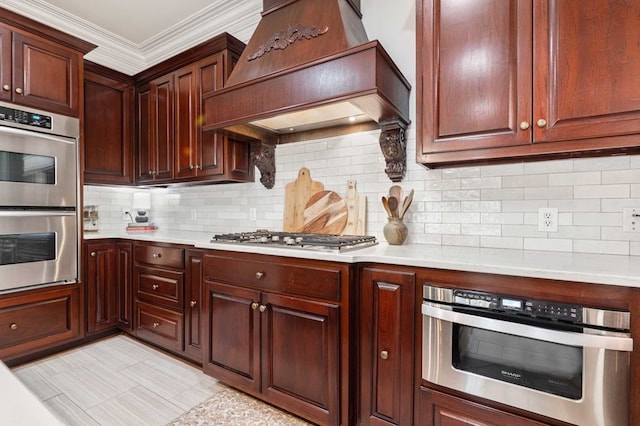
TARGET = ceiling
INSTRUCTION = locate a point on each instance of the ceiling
(133, 35)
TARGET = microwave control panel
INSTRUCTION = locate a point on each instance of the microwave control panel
(13, 115)
(527, 307)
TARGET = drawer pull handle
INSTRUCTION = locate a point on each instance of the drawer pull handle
(384, 354)
(156, 324)
(263, 308)
(157, 255)
(19, 91)
(193, 303)
(13, 326)
(93, 254)
(155, 286)
(254, 306)
(259, 275)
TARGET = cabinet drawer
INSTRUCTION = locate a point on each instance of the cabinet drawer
(170, 257)
(296, 277)
(161, 326)
(160, 286)
(37, 320)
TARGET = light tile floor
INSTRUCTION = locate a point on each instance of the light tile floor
(116, 381)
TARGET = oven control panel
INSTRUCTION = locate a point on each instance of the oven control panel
(530, 307)
(13, 115)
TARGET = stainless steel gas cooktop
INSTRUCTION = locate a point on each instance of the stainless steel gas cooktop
(297, 240)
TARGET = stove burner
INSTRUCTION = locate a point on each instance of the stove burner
(298, 240)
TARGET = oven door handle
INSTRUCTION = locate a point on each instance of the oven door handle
(554, 336)
(36, 213)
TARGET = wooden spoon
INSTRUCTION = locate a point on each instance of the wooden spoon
(385, 204)
(406, 203)
(393, 206)
(396, 191)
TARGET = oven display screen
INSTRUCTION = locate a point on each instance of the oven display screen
(512, 304)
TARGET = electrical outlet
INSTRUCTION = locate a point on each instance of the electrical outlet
(548, 219)
(631, 219)
(126, 215)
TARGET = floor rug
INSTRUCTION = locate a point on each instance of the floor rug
(231, 407)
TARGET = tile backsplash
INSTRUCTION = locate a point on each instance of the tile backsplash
(479, 206)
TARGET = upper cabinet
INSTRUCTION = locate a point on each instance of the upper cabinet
(108, 126)
(172, 147)
(40, 67)
(526, 79)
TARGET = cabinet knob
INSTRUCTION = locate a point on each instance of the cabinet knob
(191, 167)
(156, 324)
(259, 275)
(157, 255)
(193, 303)
(19, 91)
(93, 254)
(13, 326)
(524, 125)
(541, 123)
(155, 286)
(254, 306)
(6, 87)
(384, 354)
(263, 308)
(198, 167)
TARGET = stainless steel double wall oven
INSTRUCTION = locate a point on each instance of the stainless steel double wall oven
(39, 187)
(560, 360)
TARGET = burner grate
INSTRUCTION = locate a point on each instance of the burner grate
(298, 240)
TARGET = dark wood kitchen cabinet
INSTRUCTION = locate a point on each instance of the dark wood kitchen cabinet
(172, 147)
(526, 79)
(108, 126)
(278, 329)
(40, 319)
(40, 67)
(440, 409)
(159, 294)
(193, 311)
(101, 289)
(124, 284)
(155, 130)
(387, 352)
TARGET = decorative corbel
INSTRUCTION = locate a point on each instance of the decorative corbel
(393, 144)
(264, 158)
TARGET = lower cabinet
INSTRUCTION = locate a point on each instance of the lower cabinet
(124, 278)
(193, 305)
(267, 333)
(38, 319)
(100, 284)
(387, 335)
(440, 409)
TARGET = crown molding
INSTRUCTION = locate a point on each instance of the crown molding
(129, 58)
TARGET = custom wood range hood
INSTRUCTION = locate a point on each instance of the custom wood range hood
(309, 69)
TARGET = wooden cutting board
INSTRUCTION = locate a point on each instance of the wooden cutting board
(296, 196)
(356, 210)
(325, 213)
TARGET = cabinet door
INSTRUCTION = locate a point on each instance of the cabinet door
(193, 305)
(387, 317)
(100, 281)
(211, 73)
(124, 277)
(232, 330)
(476, 64)
(162, 104)
(187, 123)
(146, 136)
(587, 59)
(439, 409)
(5, 64)
(301, 356)
(108, 135)
(46, 75)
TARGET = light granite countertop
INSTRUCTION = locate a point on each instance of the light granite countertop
(590, 268)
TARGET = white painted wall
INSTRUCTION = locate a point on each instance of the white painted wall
(479, 206)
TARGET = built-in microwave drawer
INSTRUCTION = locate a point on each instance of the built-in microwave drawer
(161, 326)
(169, 257)
(160, 286)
